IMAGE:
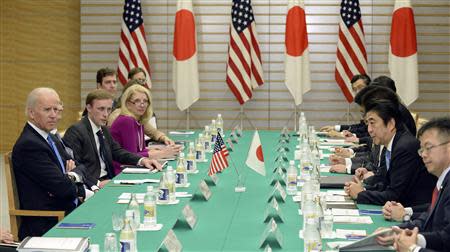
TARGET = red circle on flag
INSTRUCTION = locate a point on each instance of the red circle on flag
(184, 39)
(259, 154)
(403, 33)
(296, 34)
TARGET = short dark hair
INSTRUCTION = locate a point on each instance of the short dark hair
(98, 94)
(378, 92)
(134, 71)
(103, 72)
(384, 81)
(386, 110)
(363, 77)
(441, 124)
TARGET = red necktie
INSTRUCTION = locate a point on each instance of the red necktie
(434, 197)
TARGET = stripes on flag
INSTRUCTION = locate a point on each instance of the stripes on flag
(244, 68)
(219, 158)
(133, 45)
(351, 56)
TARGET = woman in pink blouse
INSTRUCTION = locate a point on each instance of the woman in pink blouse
(128, 129)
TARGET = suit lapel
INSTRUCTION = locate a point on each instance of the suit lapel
(438, 201)
(108, 161)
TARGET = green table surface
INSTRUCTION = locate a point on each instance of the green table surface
(228, 221)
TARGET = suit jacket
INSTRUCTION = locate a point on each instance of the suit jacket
(434, 225)
(40, 181)
(81, 139)
(407, 180)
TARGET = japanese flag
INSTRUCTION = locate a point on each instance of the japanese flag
(255, 158)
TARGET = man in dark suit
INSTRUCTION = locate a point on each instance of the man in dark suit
(93, 145)
(40, 165)
(407, 180)
(434, 224)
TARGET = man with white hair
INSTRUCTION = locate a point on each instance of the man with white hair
(40, 165)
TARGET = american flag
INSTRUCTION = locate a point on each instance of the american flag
(133, 45)
(351, 52)
(219, 158)
(244, 68)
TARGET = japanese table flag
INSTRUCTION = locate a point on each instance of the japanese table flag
(255, 158)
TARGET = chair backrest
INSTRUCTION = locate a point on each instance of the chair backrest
(13, 198)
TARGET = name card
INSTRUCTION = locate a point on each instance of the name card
(271, 236)
(278, 193)
(205, 191)
(233, 137)
(283, 148)
(230, 145)
(279, 177)
(238, 131)
(189, 216)
(171, 243)
(281, 158)
(273, 211)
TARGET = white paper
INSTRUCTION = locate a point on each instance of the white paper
(343, 233)
(183, 195)
(343, 212)
(156, 227)
(335, 198)
(182, 186)
(325, 168)
(336, 192)
(297, 198)
(128, 181)
(53, 243)
(353, 219)
(181, 132)
(338, 244)
(135, 170)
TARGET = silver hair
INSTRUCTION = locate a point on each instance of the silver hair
(34, 95)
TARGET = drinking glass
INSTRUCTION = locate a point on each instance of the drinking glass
(110, 242)
(117, 221)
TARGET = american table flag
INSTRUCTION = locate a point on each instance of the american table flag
(219, 158)
(244, 68)
(133, 45)
(351, 52)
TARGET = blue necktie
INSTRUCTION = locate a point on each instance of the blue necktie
(55, 150)
(388, 159)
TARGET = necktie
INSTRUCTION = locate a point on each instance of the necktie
(434, 197)
(101, 141)
(388, 159)
(56, 152)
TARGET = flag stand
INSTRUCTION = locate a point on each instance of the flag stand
(347, 115)
(296, 116)
(240, 186)
(241, 116)
(189, 119)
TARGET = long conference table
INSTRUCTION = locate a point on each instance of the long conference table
(228, 221)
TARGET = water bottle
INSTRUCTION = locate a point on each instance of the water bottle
(207, 138)
(191, 163)
(170, 183)
(200, 149)
(150, 208)
(213, 132)
(311, 236)
(127, 238)
(291, 181)
(163, 196)
(306, 165)
(134, 206)
(181, 174)
(219, 124)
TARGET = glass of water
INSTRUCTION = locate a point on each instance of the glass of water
(117, 221)
(326, 225)
(110, 242)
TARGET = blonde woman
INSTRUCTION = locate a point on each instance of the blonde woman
(128, 128)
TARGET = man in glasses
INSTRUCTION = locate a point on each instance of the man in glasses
(433, 224)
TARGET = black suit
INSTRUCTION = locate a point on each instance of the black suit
(435, 225)
(40, 181)
(407, 180)
(81, 139)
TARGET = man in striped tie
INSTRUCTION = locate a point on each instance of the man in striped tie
(434, 224)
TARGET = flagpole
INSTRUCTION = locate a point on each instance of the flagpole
(240, 185)
(295, 117)
(348, 113)
(188, 113)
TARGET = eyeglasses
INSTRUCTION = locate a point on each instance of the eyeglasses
(429, 148)
(139, 102)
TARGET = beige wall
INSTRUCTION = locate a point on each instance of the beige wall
(272, 104)
(40, 46)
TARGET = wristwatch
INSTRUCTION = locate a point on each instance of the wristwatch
(408, 214)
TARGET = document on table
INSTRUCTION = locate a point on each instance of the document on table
(325, 168)
(353, 219)
(349, 233)
(181, 132)
(136, 170)
(53, 243)
(345, 212)
(135, 181)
